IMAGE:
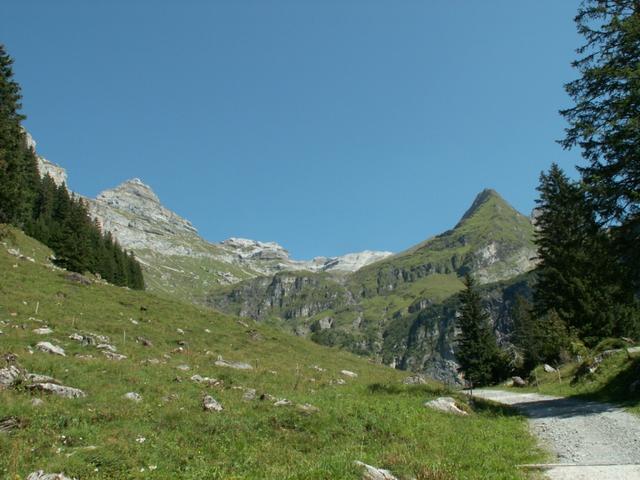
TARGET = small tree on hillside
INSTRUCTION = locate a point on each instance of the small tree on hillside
(478, 354)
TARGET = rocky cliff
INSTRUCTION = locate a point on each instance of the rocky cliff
(401, 309)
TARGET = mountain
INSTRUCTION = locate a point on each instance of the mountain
(176, 260)
(374, 310)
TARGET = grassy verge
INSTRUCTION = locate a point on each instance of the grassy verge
(373, 417)
(611, 382)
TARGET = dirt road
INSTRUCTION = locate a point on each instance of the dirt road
(591, 440)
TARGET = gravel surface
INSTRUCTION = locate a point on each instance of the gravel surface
(588, 438)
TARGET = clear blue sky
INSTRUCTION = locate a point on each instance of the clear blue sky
(328, 126)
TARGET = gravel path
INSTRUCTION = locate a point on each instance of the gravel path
(591, 440)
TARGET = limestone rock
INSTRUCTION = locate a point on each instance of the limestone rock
(307, 408)
(113, 356)
(249, 394)
(549, 369)
(60, 390)
(282, 403)
(37, 378)
(9, 375)
(42, 331)
(415, 380)
(445, 404)
(348, 373)
(373, 473)
(210, 404)
(518, 382)
(221, 362)
(48, 347)
(40, 475)
(133, 396)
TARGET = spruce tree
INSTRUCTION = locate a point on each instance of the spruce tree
(477, 352)
(605, 119)
(577, 277)
(18, 165)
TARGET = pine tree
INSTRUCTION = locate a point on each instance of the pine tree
(18, 165)
(577, 277)
(478, 354)
(605, 119)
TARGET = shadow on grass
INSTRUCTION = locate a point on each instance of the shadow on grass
(412, 390)
(492, 408)
(618, 389)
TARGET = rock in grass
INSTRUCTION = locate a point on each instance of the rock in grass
(9, 375)
(113, 356)
(40, 475)
(348, 373)
(133, 396)
(373, 473)
(445, 404)
(549, 369)
(48, 347)
(144, 341)
(42, 331)
(518, 382)
(37, 378)
(8, 424)
(210, 404)
(282, 403)
(212, 382)
(307, 408)
(37, 402)
(415, 380)
(249, 394)
(183, 367)
(221, 362)
(60, 390)
(106, 346)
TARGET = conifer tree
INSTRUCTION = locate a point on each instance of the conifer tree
(577, 277)
(478, 354)
(605, 119)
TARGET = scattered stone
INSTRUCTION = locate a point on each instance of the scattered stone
(339, 381)
(133, 396)
(77, 278)
(37, 402)
(144, 341)
(180, 331)
(84, 339)
(113, 356)
(40, 475)
(135, 322)
(106, 346)
(8, 424)
(267, 397)
(249, 394)
(43, 331)
(415, 380)
(282, 403)
(60, 390)
(445, 404)
(50, 348)
(141, 440)
(182, 343)
(307, 408)
(210, 404)
(319, 369)
(9, 375)
(549, 369)
(220, 362)
(84, 357)
(348, 373)
(207, 330)
(518, 382)
(183, 367)
(151, 361)
(177, 350)
(373, 473)
(212, 382)
(37, 378)
(255, 335)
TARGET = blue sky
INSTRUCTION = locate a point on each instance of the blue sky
(327, 126)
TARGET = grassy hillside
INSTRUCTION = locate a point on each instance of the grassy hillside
(373, 311)
(613, 381)
(167, 435)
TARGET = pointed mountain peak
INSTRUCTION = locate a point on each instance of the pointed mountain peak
(132, 187)
(487, 197)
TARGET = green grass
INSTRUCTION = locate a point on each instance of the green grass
(373, 418)
(609, 383)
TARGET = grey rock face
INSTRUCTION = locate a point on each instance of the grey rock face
(48, 347)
